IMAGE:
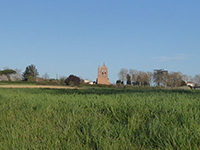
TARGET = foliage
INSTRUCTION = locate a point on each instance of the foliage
(183, 83)
(99, 118)
(16, 83)
(62, 80)
(119, 82)
(30, 73)
(72, 80)
(7, 72)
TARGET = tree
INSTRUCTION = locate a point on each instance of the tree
(7, 73)
(149, 74)
(17, 76)
(185, 78)
(197, 79)
(175, 79)
(128, 79)
(139, 80)
(160, 77)
(122, 74)
(119, 83)
(30, 73)
(46, 76)
(133, 73)
(72, 80)
(146, 79)
(62, 80)
(135, 77)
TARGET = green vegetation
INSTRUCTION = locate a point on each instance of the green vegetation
(16, 83)
(99, 118)
(7, 73)
(30, 73)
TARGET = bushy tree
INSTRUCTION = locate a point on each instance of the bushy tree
(119, 83)
(7, 73)
(72, 80)
(30, 73)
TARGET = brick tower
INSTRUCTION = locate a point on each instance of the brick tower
(103, 75)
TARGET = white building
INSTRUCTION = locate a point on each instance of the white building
(88, 82)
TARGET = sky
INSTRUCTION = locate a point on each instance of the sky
(63, 37)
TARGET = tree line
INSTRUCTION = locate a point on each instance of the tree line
(31, 75)
(159, 77)
(132, 77)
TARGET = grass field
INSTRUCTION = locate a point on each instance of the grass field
(39, 86)
(99, 118)
(16, 83)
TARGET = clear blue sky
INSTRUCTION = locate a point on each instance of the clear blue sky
(75, 36)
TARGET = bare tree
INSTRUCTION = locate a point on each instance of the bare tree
(197, 79)
(62, 80)
(122, 74)
(150, 75)
(175, 79)
(185, 78)
(3, 78)
(160, 77)
(128, 78)
(147, 78)
(46, 76)
(135, 77)
(17, 76)
(139, 80)
(133, 73)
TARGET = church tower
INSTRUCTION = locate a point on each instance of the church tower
(103, 75)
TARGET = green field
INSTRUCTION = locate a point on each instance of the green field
(16, 83)
(99, 118)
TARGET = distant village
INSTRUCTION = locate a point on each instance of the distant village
(127, 77)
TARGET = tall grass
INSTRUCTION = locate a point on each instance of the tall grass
(99, 119)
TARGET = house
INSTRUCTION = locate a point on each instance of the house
(192, 85)
(88, 82)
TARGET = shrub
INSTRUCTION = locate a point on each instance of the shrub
(72, 80)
